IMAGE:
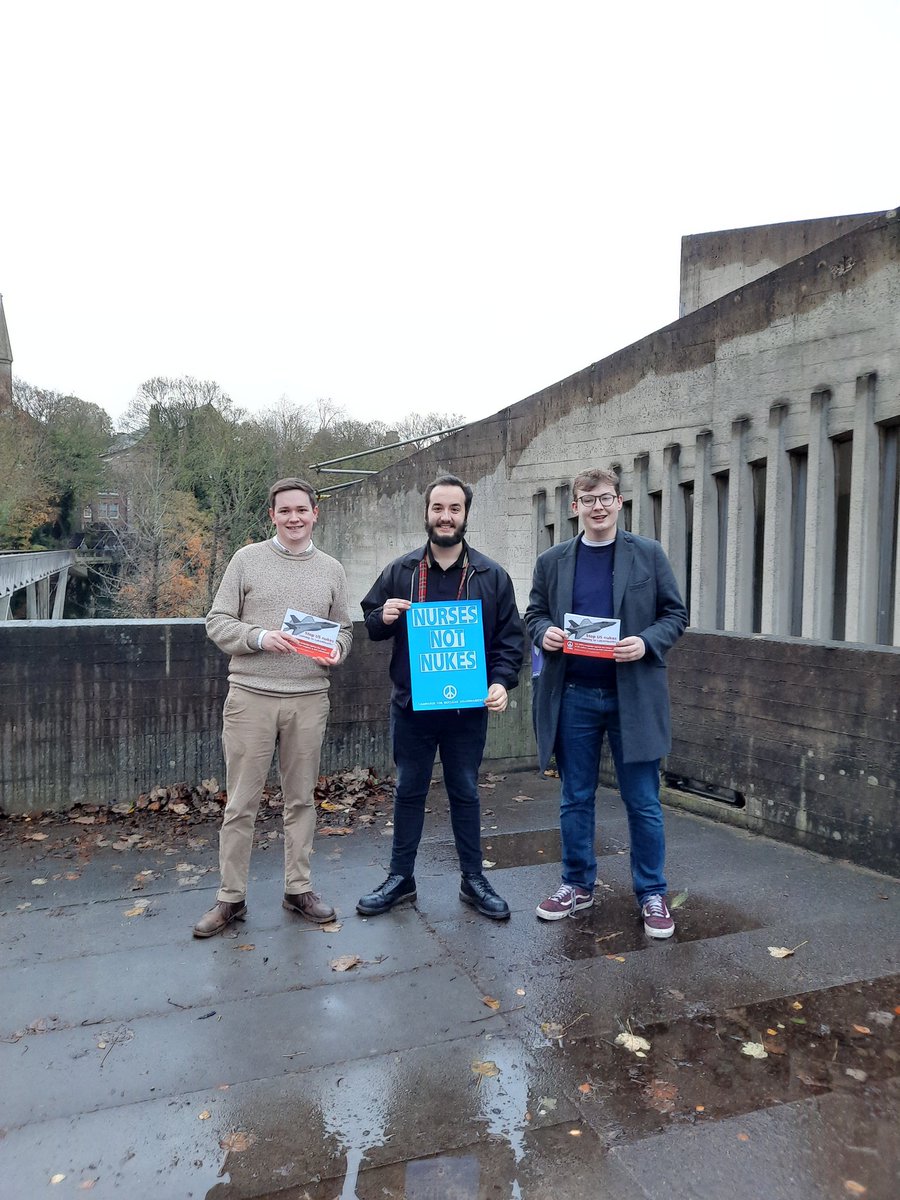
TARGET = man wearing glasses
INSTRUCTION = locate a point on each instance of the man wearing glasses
(608, 575)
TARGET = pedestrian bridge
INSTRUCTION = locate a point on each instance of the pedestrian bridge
(34, 571)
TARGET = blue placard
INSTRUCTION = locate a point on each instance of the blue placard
(446, 655)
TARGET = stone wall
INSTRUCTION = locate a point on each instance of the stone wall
(801, 736)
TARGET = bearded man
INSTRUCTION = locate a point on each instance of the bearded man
(445, 569)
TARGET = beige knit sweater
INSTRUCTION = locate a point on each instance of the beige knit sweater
(259, 585)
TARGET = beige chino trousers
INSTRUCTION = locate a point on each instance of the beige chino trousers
(252, 725)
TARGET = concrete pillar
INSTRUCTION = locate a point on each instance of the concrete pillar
(43, 598)
(4, 608)
(59, 596)
(641, 514)
(31, 608)
(703, 567)
(776, 552)
(818, 562)
(672, 532)
(739, 565)
(862, 558)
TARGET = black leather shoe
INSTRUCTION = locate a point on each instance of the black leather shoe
(396, 889)
(475, 890)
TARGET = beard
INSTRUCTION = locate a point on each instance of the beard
(445, 539)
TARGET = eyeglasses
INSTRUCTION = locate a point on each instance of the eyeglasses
(607, 500)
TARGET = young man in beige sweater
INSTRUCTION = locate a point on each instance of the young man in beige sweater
(276, 695)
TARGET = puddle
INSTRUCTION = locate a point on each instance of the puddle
(613, 926)
(844, 1039)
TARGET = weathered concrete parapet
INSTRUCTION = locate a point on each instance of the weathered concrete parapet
(806, 733)
(101, 711)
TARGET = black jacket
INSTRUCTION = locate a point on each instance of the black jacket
(485, 581)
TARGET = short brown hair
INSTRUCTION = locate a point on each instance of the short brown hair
(290, 485)
(593, 478)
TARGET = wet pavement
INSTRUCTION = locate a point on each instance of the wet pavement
(457, 1058)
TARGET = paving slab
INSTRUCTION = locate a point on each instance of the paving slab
(150, 1064)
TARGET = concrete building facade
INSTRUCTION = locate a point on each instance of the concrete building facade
(756, 438)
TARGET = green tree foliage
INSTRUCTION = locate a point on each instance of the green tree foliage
(50, 455)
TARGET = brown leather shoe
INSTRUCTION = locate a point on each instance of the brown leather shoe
(220, 917)
(310, 906)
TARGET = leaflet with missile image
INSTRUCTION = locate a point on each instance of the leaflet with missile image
(595, 637)
(313, 636)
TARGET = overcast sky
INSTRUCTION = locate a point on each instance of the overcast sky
(405, 205)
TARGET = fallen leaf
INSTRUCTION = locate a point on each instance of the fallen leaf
(754, 1050)
(330, 806)
(783, 951)
(630, 1041)
(552, 1030)
(743, 1137)
(38, 837)
(332, 927)
(345, 962)
(855, 1073)
(334, 830)
(661, 1095)
(86, 1185)
(614, 957)
(237, 1142)
(57, 1178)
(37, 883)
(772, 1032)
(854, 1188)
(519, 799)
(699, 1108)
(487, 864)
(862, 1029)
(574, 1133)
(485, 1070)
(546, 1104)
(678, 900)
(796, 1005)
(585, 1088)
(205, 1115)
(490, 1002)
(22, 907)
(139, 909)
(520, 991)
(245, 946)
(83, 821)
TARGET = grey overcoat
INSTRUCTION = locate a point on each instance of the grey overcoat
(647, 602)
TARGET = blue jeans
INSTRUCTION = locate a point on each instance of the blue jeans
(585, 715)
(459, 734)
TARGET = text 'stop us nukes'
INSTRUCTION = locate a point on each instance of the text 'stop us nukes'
(447, 661)
(595, 637)
(313, 636)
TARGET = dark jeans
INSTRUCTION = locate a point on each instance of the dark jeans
(585, 716)
(459, 735)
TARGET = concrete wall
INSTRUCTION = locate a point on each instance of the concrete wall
(100, 711)
(806, 732)
(714, 264)
(794, 362)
